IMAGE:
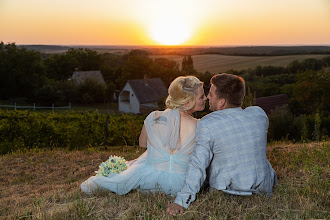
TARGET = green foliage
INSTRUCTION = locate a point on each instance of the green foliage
(285, 125)
(86, 58)
(166, 69)
(311, 92)
(280, 79)
(317, 127)
(24, 129)
(326, 61)
(205, 78)
(269, 70)
(111, 67)
(109, 92)
(26, 75)
(135, 67)
(21, 72)
(188, 65)
(91, 91)
(307, 64)
(287, 89)
(50, 93)
(249, 99)
(60, 66)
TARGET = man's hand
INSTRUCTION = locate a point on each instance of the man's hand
(174, 209)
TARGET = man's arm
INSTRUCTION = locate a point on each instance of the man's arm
(196, 171)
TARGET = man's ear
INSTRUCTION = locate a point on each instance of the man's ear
(221, 103)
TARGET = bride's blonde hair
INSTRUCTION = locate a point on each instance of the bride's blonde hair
(181, 91)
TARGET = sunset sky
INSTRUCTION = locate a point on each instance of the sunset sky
(170, 22)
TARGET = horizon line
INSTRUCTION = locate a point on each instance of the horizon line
(173, 46)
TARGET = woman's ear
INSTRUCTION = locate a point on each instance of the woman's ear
(187, 104)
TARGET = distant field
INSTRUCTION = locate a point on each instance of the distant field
(220, 63)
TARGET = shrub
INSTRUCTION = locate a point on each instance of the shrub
(73, 130)
(284, 125)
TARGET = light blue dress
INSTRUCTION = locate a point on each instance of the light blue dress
(161, 168)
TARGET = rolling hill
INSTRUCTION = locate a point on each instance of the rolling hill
(215, 63)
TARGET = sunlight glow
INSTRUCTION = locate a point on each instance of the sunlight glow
(166, 22)
(170, 31)
(171, 22)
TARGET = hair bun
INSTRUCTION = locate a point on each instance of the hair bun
(181, 91)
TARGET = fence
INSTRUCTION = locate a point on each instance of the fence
(34, 107)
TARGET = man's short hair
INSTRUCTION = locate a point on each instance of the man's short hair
(229, 87)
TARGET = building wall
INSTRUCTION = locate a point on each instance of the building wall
(133, 106)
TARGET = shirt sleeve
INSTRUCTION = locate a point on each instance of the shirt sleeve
(196, 171)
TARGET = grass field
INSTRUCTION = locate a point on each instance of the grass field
(220, 63)
(44, 184)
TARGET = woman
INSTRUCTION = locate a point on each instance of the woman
(170, 139)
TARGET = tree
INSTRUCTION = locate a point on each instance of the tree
(326, 61)
(110, 67)
(50, 93)
(165, 69)
(135, 66)
(86, 59)
(109, 92)
(91, 91)
(60, 66)
(269, 70)
(311, 64)
(311, 92)
(188, 65)
(21, 72)
(294, 67)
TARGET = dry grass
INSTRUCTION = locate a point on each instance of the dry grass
(220, 63)
(44, 184)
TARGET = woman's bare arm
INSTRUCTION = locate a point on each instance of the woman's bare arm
(143, 138)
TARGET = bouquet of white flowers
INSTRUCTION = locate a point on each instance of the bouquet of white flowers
(114, 164)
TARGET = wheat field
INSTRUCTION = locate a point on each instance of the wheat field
(220, 63)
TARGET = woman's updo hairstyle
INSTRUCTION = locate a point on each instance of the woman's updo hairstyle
(182, 90)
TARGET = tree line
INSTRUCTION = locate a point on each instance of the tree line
(30, 76)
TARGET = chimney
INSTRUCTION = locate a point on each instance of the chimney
(145, 79)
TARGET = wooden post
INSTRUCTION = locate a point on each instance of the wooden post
(34, 107)
(106, 131)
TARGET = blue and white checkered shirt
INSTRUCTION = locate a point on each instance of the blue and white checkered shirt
(231, 143)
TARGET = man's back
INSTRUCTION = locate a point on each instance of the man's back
(230, 146)
(238, 140)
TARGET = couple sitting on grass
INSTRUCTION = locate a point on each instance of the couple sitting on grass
(226, 148)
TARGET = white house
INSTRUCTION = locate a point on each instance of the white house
(141, 96)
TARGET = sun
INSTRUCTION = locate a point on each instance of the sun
(170, 31)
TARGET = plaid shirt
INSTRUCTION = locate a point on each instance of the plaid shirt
(231, 146)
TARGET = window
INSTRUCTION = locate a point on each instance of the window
(124, 97)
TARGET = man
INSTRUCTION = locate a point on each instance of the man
(231, 144)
